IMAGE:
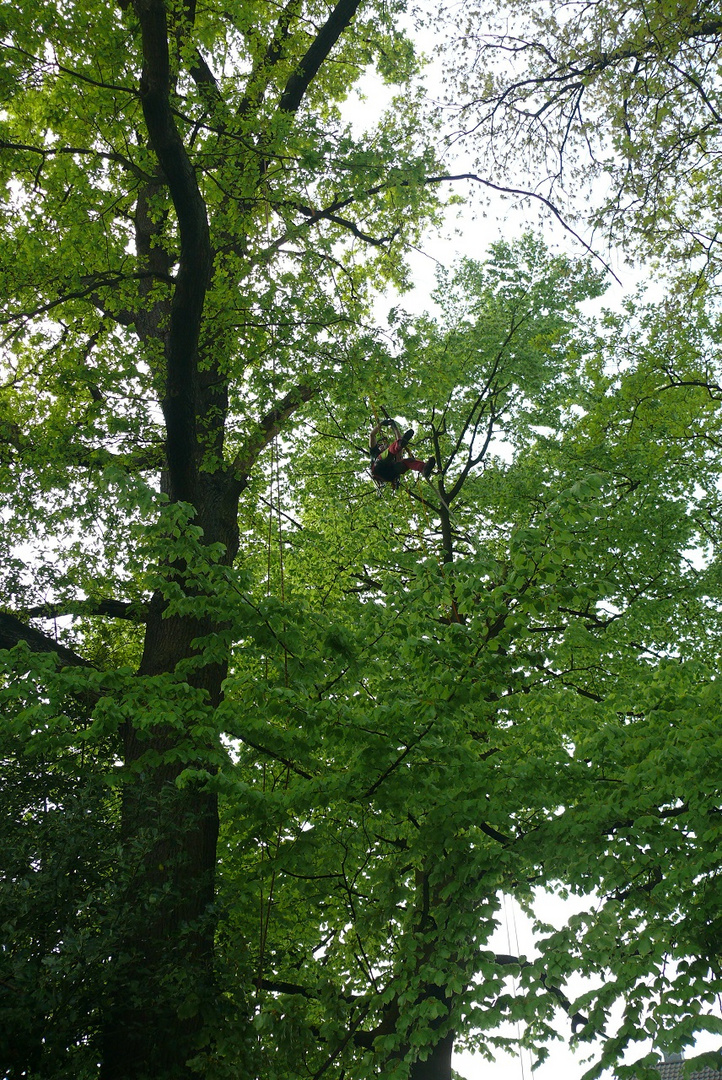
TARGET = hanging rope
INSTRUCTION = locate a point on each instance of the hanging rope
(281, 572)
(266, 906)
(266, 915)
(513, 978)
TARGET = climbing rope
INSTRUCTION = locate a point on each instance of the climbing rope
(513, 977)
(267, 904)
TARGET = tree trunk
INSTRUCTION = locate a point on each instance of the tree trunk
(438, 1064)
(160, 983)
(160, 994)
(161, 990)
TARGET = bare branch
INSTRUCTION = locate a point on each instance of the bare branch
(524, 194)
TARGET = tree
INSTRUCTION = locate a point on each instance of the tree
(649, 945)
(58, 852)
(184, 248)
(443, 696)
(377, 884)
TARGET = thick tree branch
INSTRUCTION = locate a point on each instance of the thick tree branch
(269, 426)
(13, 631)
(397, 761)
(259, 78)
(490, 831)
(204, 78)
(308, 68)
(577, 1018)
(195, 263)
(328, 215)
(294, 768)
(111, 609)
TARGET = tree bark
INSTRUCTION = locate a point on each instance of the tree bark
(160, 986)
(438, 1064)
(160, 994)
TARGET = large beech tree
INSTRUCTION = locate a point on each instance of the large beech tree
(186, 228)
(476, 684)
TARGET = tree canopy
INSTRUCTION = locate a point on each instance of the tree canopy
(611, 110)
(275, 745)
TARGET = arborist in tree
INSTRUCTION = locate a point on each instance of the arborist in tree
(387, 460)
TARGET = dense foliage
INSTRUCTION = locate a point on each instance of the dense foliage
(274, 744)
